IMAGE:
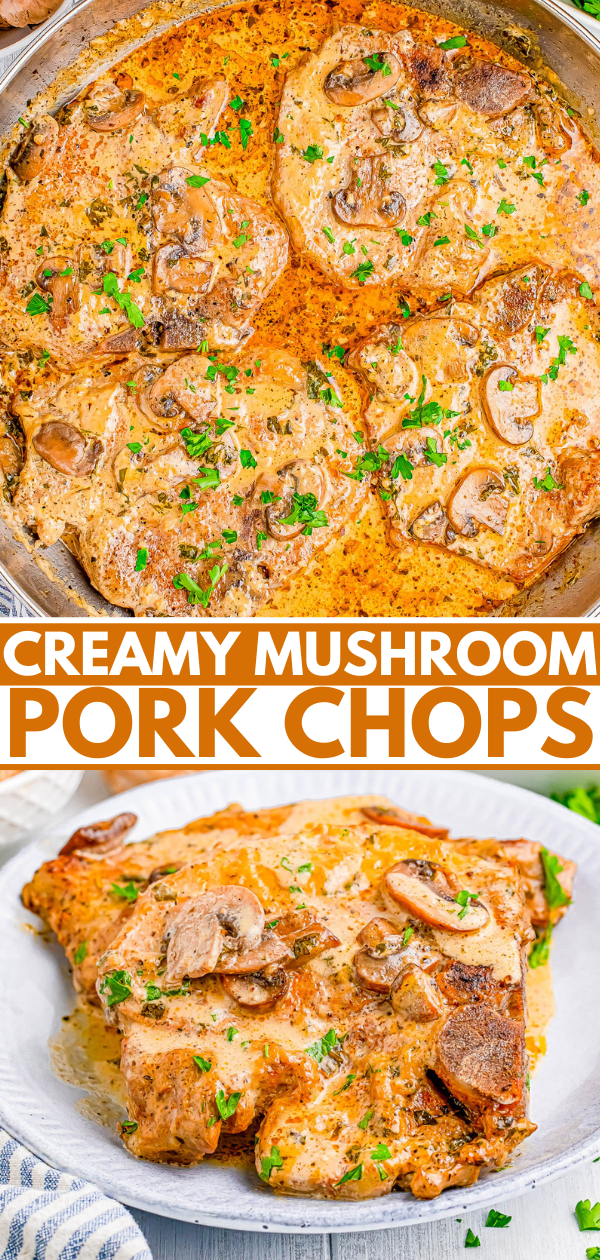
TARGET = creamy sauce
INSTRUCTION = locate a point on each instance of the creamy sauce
(540, 1010)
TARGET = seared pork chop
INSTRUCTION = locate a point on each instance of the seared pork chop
(334, 970)
(486, 419)
(192, 487)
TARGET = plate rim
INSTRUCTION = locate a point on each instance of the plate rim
(513, 1186)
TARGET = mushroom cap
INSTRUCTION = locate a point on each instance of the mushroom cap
(122, 110)
(108, 834)
(260, 991)
(300, 477)
(481, 1054)
(429, 893)
(391, 816)
(416, 997)
(36, 149)
(383, 957)
(228, 915)
(400, 124)
(66, 449)
(430, 524)
(368, 200)
(510, 411)
(478, 500)
(182, 212)
(174, 269)
(353, 83)
(377, 974)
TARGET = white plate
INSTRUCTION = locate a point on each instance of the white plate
(28, 801)
(35, 991)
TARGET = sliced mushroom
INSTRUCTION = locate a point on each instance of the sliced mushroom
(305, 936)
(384, 958)
(438, 113)
(184, 213)
(261, 991)
(398, 122)
(121, 110)
(160, 872)
(429, 892)
(510, 404)
(300, 478)
(270, 951)
(36, 149)
(416, 997)
(229, 915)
(368, 200)
(481, 1054)
(173, 269)
(109, 834)
(491, 89)
(551, 136)
(58, 276)
(431, 524)
(390, 816)
(66, 449)
(165, 398)
(354, 82)
(477, 500)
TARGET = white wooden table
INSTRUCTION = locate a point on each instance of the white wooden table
(543, 1225)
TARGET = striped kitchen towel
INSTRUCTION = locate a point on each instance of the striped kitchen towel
(49, 1215)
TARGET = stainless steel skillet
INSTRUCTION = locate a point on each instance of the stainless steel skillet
(73, 49)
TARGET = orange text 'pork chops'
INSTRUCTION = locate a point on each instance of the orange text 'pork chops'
(354, 988)
(243, 314)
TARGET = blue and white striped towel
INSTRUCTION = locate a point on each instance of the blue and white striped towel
(49, 1215)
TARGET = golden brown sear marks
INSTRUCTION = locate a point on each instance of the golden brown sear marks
(312, 977)
(140, 226)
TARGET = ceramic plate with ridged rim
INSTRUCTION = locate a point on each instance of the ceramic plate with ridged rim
(35, 991)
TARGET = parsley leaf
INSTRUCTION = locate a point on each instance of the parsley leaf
(304, 510)
(110, 286)
(128, 892)
(539, 953)
(583, 197)
(197, 181)
(585, 290)
(141, 559)
(489, 229)
(471, 1239)
(269, 1162)
(204, 1064)
(320, 1049)
(505, 207)
(182, 581)
(227, 1106)
(553, 890)
(38, 305)
(116, 987)
(245, 131)
(363, 271)
(546, 483)
(588, 1217)
(247, 459)
(80, 953)
(540, 333)
(442, 173)
(497, 1220)
(377, 63)
(353, 1174)
(463, 898)
(313, 153)
(457, 41)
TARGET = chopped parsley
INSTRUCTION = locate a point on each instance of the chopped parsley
(348, 247)
(489, 229)
(426, 413)
(588, 1217)
(457, 41)
(129, 1126)
(433, 455)
(247, 459)
(583, 197)
(269, 1162)
(116, 987)
(505, 207)
(197, 181)
(463, 898)
(442, 240)
(329, 234)
(353, 1174)
(278, 136)
(313, 153)
(38, 305)
(553, 890)
(320, 1049)
(471, 1239)
(405, 237)
(208, 479)
(363, 271)
(80, 953)
(227, 1106)
(585, 290)
(347, 1083)
(364, 1123)
(546, 483)
(128, 892)
(505, 387)
(539, 953)
(497, 1220)
(442, 173)
(110, 286)
(565, 346)
(540, 333)
(183, 582)
(245, 131)
(229, 536)
(305, 511)
(472, 235)
(425, 220)
(376, 64)
(408, 932)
